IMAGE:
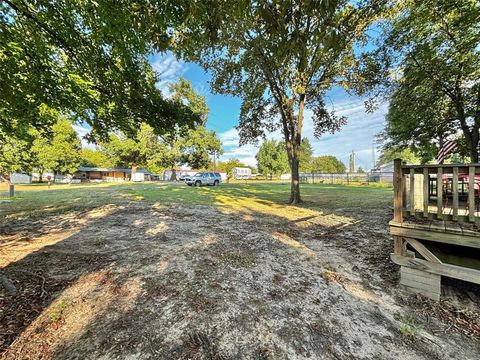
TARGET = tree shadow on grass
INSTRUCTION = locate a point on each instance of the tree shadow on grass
(45, 270)
(92, 292)
(197, 282)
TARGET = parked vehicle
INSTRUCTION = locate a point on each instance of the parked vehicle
(204, 178)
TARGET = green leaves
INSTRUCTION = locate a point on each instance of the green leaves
(15, 155)
(183, 144)
(86, 59)
(280, 57)
(272, 158)
(327, 164)
(197, 146)
(432, 50)
(273, 55)
(61, 152)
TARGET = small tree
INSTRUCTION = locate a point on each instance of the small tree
(60, 152)
(328, 164)
(272, 158)
(15, 156)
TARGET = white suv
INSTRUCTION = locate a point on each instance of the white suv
(204, 178)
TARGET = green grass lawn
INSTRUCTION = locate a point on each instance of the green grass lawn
(37, 200)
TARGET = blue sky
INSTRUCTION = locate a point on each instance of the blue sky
(357, 135)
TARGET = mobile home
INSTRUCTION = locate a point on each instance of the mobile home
(241, 173)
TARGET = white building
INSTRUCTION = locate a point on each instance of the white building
(382, 173)
(241, 173)
(17, 178)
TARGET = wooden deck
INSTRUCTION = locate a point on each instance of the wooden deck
(436, 220)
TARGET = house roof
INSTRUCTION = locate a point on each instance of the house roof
(125, 170)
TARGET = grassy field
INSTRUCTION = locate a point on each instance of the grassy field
(34, 200)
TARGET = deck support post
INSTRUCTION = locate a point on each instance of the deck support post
(421, 282)
(399, 249)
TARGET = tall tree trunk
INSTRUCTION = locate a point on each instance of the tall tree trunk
(293, 151)
(295, 182)
(173, 176)
(474, 145)
(471, 138)
(295, 157)
(471, 134)
(474, 154)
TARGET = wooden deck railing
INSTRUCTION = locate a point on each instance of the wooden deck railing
(443, 192)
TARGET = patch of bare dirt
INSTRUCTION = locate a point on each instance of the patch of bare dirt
(147, 282)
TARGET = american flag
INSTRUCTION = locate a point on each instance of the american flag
(448, 147)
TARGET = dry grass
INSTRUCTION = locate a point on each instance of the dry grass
(149, 271)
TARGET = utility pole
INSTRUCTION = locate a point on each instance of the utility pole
(373, 154)
(351, 167)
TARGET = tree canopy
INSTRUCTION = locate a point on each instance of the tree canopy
(15, 156)
(59, 153)
(327, 164)
(428, 63)
(280, 58)
(87, 59)
(272, 158)
(125, 151)
(393, 153)
(187, 145)
(197, 146)
(95, 158)
(182, 144)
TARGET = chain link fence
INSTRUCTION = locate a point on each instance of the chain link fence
(6, 191)
(346, 178)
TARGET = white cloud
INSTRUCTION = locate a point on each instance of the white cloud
(358, 135)
(81, 132)
(230, 141)
(245, 154)
(229, 137)
(169, 70)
